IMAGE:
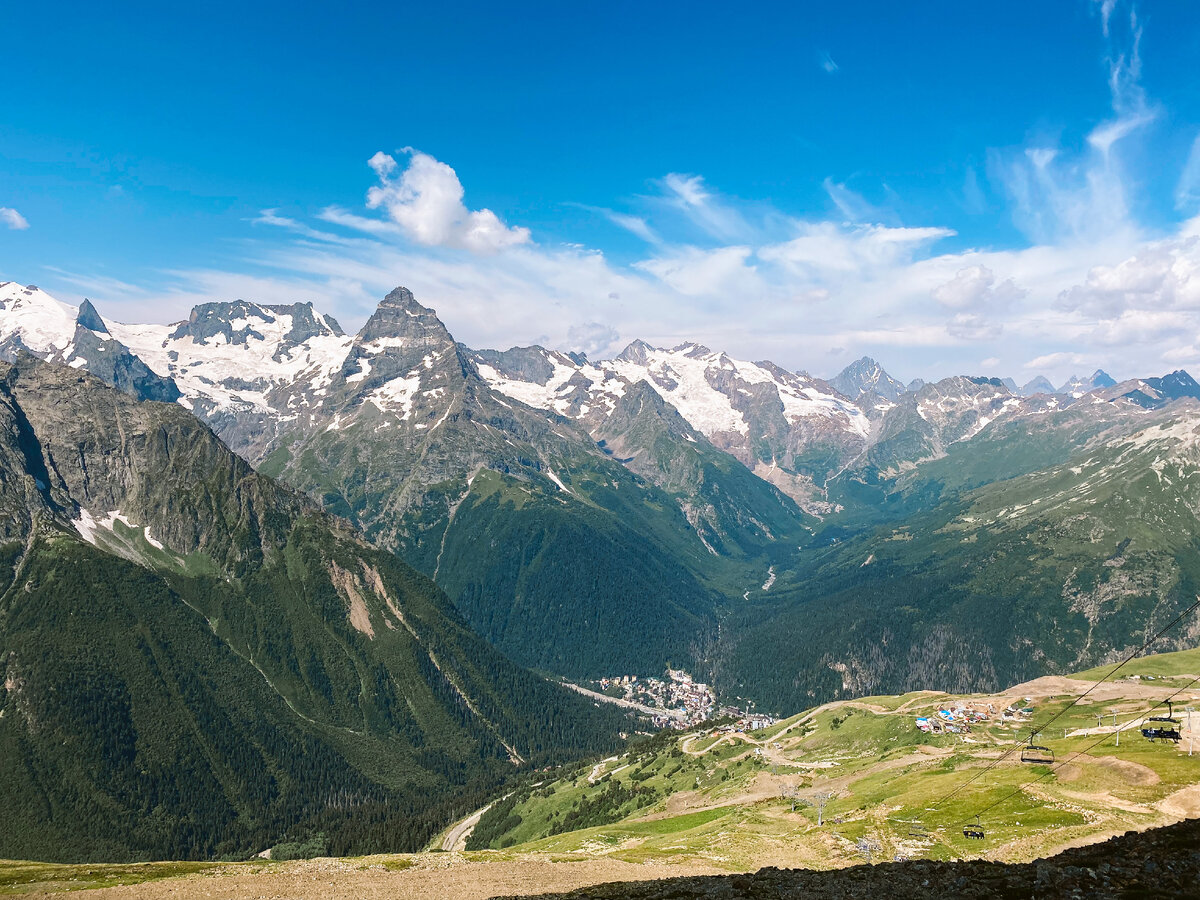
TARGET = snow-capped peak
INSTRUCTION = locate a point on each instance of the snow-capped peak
(33, 320)
(232, 355)
(738, 405)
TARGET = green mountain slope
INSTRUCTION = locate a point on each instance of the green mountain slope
(197, 661)
(733, 511)
(1049, 571)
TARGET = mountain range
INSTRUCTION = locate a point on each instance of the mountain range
(763, 527)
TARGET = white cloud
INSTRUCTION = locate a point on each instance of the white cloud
(694, 272)
(973, 327)
(1161, 275)
(1106, 10)
(12, 219)
(1091, 290)
(853, 205)
(689, 195)
(1057, 361)
(592, 338)
(635, 225)
(823, 247)
(975, 287)
(1059, 193)
(828, 64)
(426, 202)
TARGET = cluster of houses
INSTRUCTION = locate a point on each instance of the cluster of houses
(959, 718)
(742, 721)
(687, 700)
(684, 701)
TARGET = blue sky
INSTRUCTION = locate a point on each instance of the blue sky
(949, 187)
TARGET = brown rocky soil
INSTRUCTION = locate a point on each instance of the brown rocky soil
(1161, 863)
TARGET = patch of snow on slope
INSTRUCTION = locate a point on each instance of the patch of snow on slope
(682, 381)
(562, 487)
(87, 524)
(539, 396)
(396, 394)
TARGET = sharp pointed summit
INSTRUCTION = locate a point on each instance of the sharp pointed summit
(866, 376)
(89, 318)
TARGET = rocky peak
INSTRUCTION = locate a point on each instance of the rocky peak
(89, 318)
(1153, 393)
(866, 376)
(532, 364)
(240, 321)
(401, 322)
(637, 353)
(1077, 386)
(1038, 385)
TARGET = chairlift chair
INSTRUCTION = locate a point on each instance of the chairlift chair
(1162, 727)
(1036, 754)
(974, 832)
(917, 830)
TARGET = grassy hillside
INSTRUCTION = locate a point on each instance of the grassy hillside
(747, 800)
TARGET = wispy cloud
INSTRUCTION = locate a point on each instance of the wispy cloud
(1061, 193)
(12, 219)
(851, 204)
(827, 63)
(1187, 192)
(716, 217)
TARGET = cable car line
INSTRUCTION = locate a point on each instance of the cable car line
(1119, 666)
(1034, 732)
(1079, 753)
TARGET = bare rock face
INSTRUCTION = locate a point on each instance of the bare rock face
(865, 376)
(171, 475)
(1164, 862)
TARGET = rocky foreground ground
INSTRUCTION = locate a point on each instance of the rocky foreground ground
(1162, 863)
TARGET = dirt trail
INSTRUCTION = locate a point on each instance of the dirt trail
(598, 768)
(456, 837)
(1183, 804)
(1050, 685)
(444, 876)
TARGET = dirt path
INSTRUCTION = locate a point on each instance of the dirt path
(1051, 685)
(456, 837)
(628, 704)
(444, 876)
(598, 768)
(1183, 804)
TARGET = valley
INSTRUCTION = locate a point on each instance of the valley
(761, 528)
(590, 452)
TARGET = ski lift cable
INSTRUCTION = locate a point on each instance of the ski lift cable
(1079, 753)
(1032, 734)
(1179, 618)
